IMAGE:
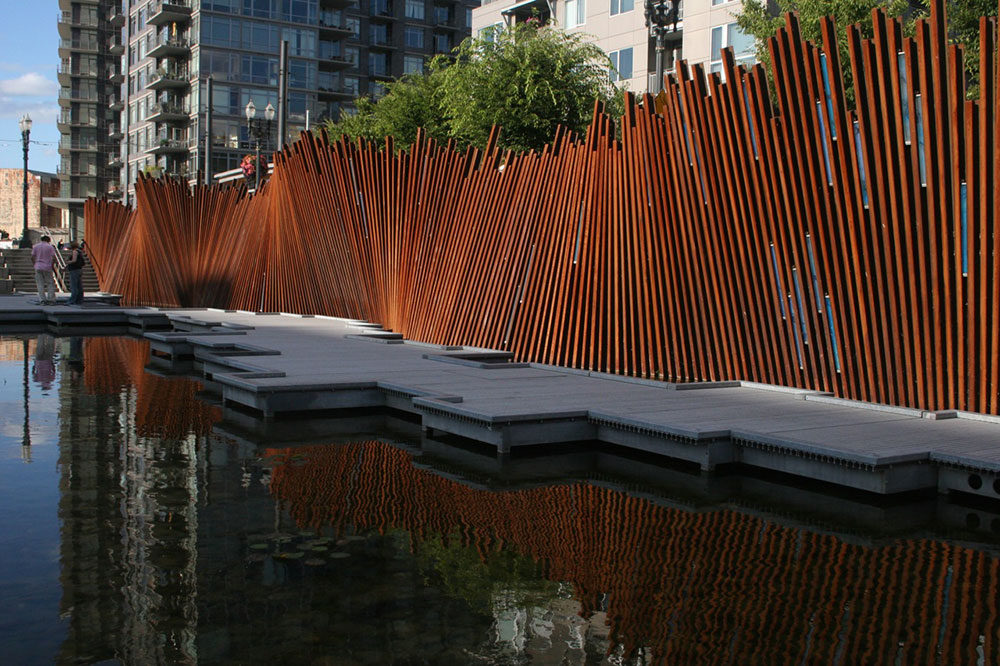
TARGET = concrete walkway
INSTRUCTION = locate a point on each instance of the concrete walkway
(289, 363)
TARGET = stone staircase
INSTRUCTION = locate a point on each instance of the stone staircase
(18, 275)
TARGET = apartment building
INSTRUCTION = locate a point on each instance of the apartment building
(134, 75)
(703, 28)
(89, 74)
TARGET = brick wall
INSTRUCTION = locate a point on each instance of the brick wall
(11, 203)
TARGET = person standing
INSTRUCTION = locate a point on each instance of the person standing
(74, 269)
(43, 256)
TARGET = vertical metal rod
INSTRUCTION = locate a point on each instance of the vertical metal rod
(282, 93)
(25, 241)
(256, 164)
(208, 132)
(659, 59)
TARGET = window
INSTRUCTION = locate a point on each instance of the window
(378, 34)
(413, 65)
(575, 12)
(414, 37)
(621, 64)
(351, 85)
(351, 55)
(415, 9)
(380, 8)
(378, 64)
(731, 36)
(442, 15)
(354, 25)
(442, 43)
(622, 6)
(489, 33)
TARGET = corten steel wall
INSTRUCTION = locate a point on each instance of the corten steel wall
(844, 250)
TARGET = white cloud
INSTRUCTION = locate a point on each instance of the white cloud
(41, 112)
(31, 84)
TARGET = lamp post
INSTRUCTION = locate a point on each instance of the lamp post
(259, 129)
(25, 125)
(660, 14)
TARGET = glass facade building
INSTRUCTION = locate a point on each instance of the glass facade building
(164, 51)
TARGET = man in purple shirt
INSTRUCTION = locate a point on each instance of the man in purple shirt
(43, 256)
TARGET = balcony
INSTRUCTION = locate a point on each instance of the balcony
(114, 191)
(114, 161)
(335, 4)
(77, 146)
(337, 92)
(115, 103)
(163, 79)
(65, 121)
(116, 18)
(165, 146)
(66, 46)
(335, 31)
(164, 112)
(115, 74)
(68, 97)
(167, 47)
(116, 47)
(86, 170)
(163, 12)
(65, 72)
(115, 131)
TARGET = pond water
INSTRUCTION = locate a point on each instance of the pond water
(143, 524)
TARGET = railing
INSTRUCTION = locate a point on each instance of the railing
(80, 145)
(178, 42)
(77, 44)
(157, 5)
(169, 109)
(165, 75)
(67, 93)
(67, 18)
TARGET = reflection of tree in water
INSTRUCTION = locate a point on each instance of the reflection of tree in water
(682, 587)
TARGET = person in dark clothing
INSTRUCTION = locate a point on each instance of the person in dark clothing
(74, 269)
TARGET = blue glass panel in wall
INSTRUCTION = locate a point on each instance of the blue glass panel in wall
(833, 334)
(777, 280)
(812, 267)
(965, 229)
(904, 93)
(920, 140)
(822, 140)
(824, 68)
(799, 302)
(861, 164)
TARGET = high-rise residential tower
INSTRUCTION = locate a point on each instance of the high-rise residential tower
(89, 75)
(337, 50)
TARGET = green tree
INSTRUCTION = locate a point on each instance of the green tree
(528, 80)
(757, 20)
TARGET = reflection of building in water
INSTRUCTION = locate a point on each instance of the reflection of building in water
(677, 586)
(128, 506)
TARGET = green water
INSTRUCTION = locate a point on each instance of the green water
(143, 524)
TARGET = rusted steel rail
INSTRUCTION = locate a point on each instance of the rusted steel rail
(722, 236)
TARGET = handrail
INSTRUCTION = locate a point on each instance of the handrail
(60, 262)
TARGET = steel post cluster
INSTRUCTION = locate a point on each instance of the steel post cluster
(852, 251)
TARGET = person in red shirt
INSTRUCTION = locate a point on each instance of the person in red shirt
(43, 256)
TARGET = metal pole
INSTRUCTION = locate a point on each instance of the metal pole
(256, 163)
(25, 241)
(282, 93)
(659, 58)
(208, 133)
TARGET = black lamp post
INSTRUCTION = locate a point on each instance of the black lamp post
(259, 129)
(659, 15)
(25, 125)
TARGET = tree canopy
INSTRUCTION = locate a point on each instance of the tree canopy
(528, 80)
(757, 20)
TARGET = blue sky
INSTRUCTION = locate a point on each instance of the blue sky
(28, 58)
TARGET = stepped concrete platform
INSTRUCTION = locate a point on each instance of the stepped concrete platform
(291, 364)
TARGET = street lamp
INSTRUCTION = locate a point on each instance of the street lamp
(259, 129)
(25, 125)
(660, 14)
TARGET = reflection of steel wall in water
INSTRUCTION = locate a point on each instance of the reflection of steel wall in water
(721, 238)
(164, 407)
(689, 586)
